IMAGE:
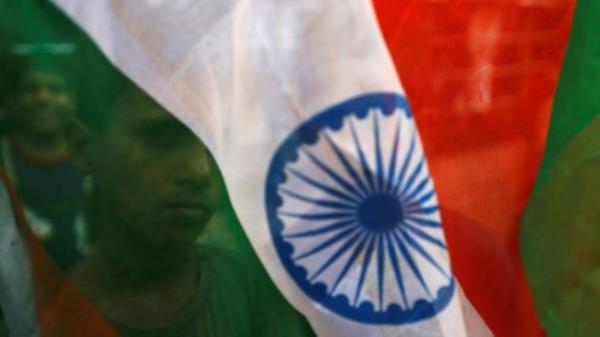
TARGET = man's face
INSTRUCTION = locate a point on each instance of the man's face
(154, 178)
(41, 102)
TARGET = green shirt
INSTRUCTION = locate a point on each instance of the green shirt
(234, 298)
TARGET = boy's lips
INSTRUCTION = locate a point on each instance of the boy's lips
(190, 206)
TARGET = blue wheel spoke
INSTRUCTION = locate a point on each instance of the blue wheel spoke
(407, 160)
(396, 267)
(324, 229)
(422, 210)
(422, 222)
(363, 160)
(380, 270)
(365, 268)
(328, 243)
(416, 246)
(347, 166)
(331, 173)
(413, 176)
(393, 159)
(422, 184)
(361, 237)
(411, 262)
(355, 254)
(318, 216)
(423, 235)
(378, 155)
(425, 198)
(330, 190)
(318, 202)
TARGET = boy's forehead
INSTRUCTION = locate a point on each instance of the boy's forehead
(137, 107)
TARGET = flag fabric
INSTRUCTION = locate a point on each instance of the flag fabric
(560, 237)
(481, 77)
(36, 297)
(16, 284)
(317, 145)
(301, 106)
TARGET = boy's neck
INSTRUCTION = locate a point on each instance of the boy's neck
(137, 264)
(136, 288)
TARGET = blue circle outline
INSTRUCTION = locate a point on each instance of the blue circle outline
(307, 134)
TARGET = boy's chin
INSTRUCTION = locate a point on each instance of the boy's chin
(177, 236)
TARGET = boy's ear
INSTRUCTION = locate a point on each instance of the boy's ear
(79, 139)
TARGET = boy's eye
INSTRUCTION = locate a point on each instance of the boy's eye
(159, 137)
(164, 134)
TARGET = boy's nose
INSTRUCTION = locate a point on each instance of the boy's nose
(194, 170)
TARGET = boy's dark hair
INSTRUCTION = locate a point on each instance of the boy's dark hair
(100, 89)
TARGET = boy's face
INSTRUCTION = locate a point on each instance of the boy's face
(41, 102)
(153, 176)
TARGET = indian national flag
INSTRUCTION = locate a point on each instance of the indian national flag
(381, 207)
(317, 144)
